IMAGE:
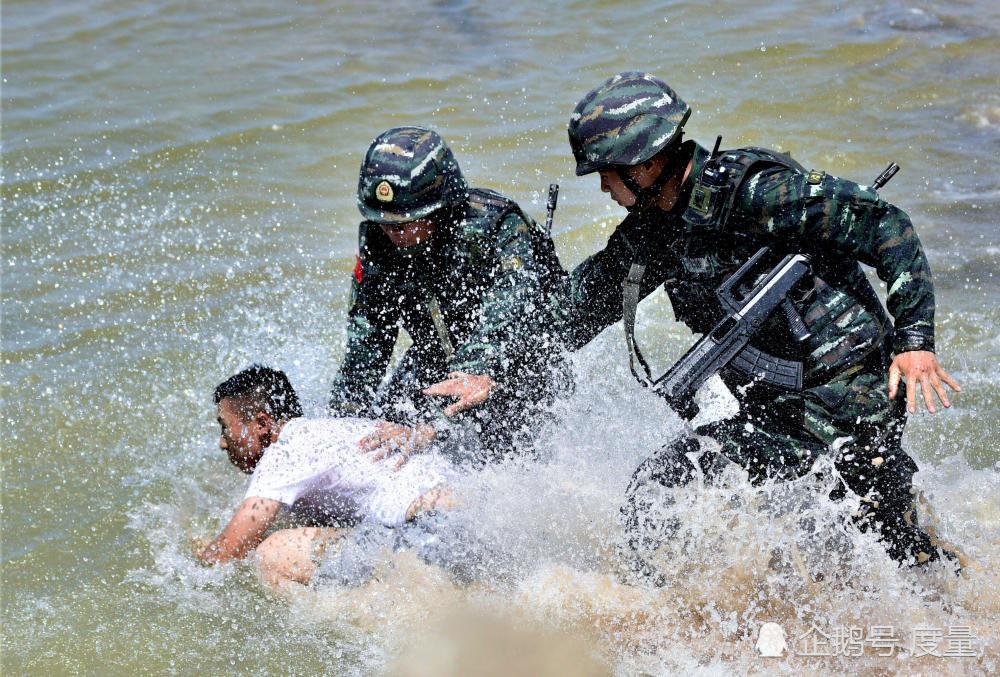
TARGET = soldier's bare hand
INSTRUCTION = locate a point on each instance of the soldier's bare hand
(201, 546)
(920, 367)
(392, 438)
(469, 389)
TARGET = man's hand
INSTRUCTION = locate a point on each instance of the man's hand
(199, 546)
(390, 438)
(920, 366)
(469, 389)
(438, 498)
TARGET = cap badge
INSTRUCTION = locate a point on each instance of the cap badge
(383, 192)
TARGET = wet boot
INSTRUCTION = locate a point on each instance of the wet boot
(889, 507)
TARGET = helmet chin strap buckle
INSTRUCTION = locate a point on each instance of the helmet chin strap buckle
(642, 200)
(645, 196)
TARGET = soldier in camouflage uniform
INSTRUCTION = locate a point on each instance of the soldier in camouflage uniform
(694, 218)
(465, 272)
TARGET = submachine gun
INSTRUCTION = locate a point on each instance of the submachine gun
(748, 298)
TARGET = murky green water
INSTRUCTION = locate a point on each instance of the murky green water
(178, 185)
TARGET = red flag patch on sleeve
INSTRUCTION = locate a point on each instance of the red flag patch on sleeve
(358, 272)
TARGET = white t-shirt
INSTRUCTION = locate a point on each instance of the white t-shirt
(316, 467)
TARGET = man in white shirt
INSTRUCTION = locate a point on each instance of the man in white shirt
(313, 467)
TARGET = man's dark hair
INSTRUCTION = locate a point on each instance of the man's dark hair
(265, 389)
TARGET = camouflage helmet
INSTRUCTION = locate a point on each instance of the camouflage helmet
(625, 121)
(407, 173)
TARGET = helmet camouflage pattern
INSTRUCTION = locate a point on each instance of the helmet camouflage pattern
(408, 173)
(625, 121)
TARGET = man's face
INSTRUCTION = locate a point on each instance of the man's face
(410, 233)
(612, 183)
(241, 440)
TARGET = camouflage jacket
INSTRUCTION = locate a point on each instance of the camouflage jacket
(839, 223)
(466, 305)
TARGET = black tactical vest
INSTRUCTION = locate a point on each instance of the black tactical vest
(841, 309)
(441, 292)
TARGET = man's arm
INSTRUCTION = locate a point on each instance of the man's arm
(438, 498)
(592, 300)
(366, 358)
(831, 213)
(585, 303)
(521, 308)
(523, 313)
(244, 532)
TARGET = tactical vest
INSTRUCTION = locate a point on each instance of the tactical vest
(468, 252)
(486, 211)
(716, 188)
(710, 251)
(845, 327)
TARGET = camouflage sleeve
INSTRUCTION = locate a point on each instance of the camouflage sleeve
(826, 214)
(594, 288)
(515, 307)
(372, 328)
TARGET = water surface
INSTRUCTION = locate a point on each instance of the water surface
(178, 201)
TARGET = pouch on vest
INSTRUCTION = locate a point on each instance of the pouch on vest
(844, 332)
(715, 189)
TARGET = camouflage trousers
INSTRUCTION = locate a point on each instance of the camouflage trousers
(850, 417)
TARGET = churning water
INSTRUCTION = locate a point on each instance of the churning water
(177, 190)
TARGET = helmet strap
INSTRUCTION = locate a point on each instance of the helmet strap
(645, 196)
(415, 250)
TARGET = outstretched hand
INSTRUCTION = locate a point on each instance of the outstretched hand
(200, 547)
(920, 366)
(469, 389)
(392, 438)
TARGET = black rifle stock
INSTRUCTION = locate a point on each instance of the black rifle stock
(748, 297)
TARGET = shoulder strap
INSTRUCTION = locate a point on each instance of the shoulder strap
(444, 336)
(630, 301)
